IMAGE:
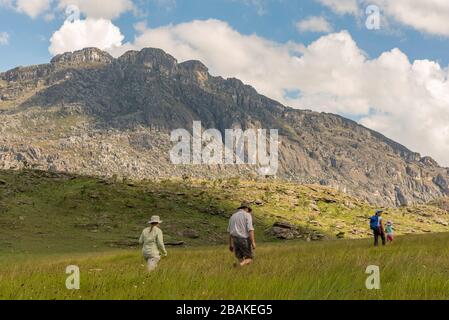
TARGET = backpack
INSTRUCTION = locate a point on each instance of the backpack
(374, 222)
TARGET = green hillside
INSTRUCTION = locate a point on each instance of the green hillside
(43, 212)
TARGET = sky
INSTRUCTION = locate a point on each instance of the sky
(383, 63)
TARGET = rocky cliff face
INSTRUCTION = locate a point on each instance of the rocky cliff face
(88, 113)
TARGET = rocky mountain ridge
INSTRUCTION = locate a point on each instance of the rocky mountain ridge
(88, 113)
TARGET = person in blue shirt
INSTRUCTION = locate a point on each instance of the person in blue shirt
(378, 228)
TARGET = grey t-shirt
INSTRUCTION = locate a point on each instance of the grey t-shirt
(241, 224)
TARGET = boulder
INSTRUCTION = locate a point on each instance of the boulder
(317, 236)
(284, 234)
(442, 222)
(191, 234)
(287, 231)
(174, 243)
(314, 207)
(314, 223)
(284, 225)
(350, 205)
(123, 243)
(284, 231)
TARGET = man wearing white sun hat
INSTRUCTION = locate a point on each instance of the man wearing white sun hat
(152, 240)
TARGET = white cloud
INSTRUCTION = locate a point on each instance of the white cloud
(49, 17)
(224, 50)
(80, 34)
(4, 38)
(341, 6)
(32, 8)
(428, 16)
(109, 9)
(314, 24)
(6, 3)
(407, 101)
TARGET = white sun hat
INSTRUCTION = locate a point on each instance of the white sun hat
(155, 219)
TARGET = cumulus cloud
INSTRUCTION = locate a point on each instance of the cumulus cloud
(4, 38)
(429, 16)
(80, 34)
(96, 9)
(314, 24)
(224, 50)
(341, 6)
(6, 3)
(32, 8)
(407, 101)
(109, 9)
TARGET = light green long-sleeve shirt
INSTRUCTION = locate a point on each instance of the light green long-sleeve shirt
(153, 242)
(389, 229)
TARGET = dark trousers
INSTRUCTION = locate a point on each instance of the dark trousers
(379, 233)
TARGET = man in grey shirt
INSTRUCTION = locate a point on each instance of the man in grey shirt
(241, 235)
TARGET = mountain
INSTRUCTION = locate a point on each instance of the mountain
(89, 113)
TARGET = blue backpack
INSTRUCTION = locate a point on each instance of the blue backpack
(374, 222)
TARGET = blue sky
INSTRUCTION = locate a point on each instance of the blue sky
(29, 37)
(309, 54)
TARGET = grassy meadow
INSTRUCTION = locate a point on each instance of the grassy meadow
(51, 220)
(415, 267)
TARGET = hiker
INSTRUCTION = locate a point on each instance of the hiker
(377, 226)
(241, 235)
(389, 229)
(152, 240)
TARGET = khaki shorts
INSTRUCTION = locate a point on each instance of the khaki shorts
(243, 248)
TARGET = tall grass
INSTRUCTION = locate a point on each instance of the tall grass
(413, 268)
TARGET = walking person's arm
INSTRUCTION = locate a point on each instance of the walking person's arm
(250, 228)
(231, 244)
(160, 243)
(253, 239)
(141, 239)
